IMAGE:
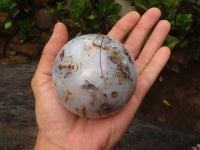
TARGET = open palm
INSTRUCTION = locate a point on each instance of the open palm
(60, 129)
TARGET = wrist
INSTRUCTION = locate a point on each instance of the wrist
(42, 143)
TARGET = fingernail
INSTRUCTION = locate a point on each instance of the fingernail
(56, 26)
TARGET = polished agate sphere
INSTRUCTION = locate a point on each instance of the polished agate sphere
(94, 76)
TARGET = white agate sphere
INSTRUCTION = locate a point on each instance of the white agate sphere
(94, 76)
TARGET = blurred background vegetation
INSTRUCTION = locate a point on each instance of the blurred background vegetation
(30, 19)
(95, 16)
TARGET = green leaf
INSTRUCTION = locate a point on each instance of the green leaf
(13, 5)
(94, 15)
(106, 4)
(154, 3)
(182, 25)
(171, 41)
(6, 6)
(26, 29)
(198, 2)
(91, 17)
(171, 4)
(171, 7)
(7, 24)
(77, 8)
(51, 10)
(170, 15)
(143, 5)
(59, 6)
(183, 43)
(115, 9)
(113, 18)
(16, 13)
(184, 21)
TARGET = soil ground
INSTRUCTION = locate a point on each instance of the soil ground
(18, 129)
(175, 98)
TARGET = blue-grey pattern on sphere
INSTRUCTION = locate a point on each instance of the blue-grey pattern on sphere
(94, 76)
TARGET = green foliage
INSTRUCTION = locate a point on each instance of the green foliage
(144, 5)
(170, 8)
(12, 11)
(79, 8)
(181, 23)
(94, 15)
(7, 24)
(171, 41)
(61, 9)
(8, 7)
(26, 29)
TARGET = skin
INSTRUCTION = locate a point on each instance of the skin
(61, 130)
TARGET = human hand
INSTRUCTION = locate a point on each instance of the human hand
(59, 128)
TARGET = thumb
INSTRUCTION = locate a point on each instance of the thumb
(56, 42)
(44, 70)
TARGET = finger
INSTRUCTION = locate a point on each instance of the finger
(124, 26)
(145, 81)
(150, 73)
(141, 30)
(153, 44)
(56, 42)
